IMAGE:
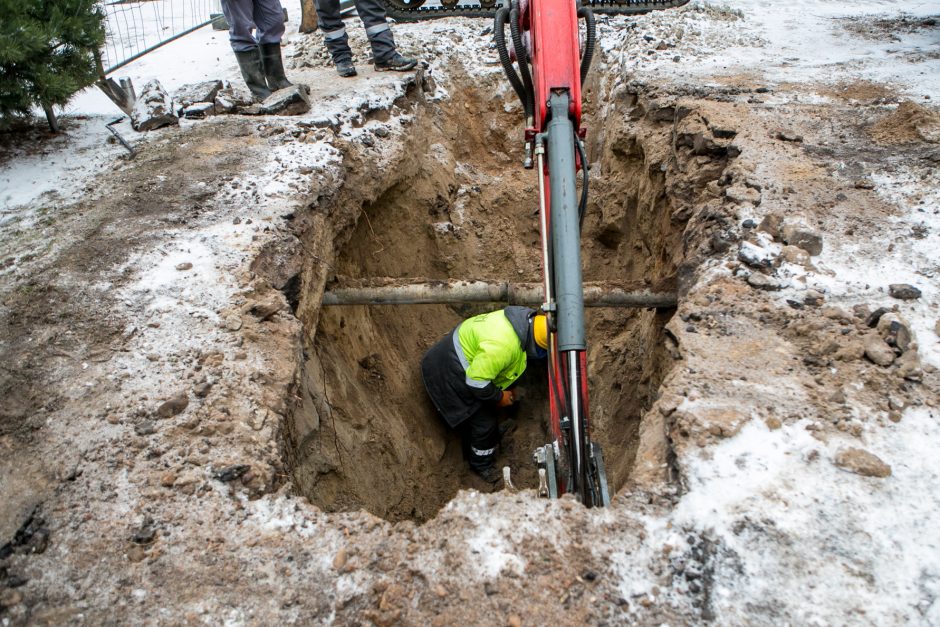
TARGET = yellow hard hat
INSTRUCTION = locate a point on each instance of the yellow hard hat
(540, 330)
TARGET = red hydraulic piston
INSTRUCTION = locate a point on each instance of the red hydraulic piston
(556, 55)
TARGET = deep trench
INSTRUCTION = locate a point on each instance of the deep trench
(366, 436)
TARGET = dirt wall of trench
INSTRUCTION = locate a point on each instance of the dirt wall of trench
(456, 203)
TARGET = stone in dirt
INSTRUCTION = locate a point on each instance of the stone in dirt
(204, 92)
(871, 320)
(230, 98)
(850, 351)
(202, 390)
(136, 553)
(878, 351)
(787, 135)
(267, 307)
(796, 255)
(802, 236)
(339, 560)
(144, 427)
(861, 462)
(174, 405)
(909, 367)
(763, 282)
(199, 110)
(291, 100)
(146, 534)
(936, 328)
(895, 331)
(741, 194)
(231, 473)
(771, 224)
(153, 109)
(754, 255)
(903, 291)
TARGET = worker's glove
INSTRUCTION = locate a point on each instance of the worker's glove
(506, 399)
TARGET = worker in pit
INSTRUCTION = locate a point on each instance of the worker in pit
(468, 372)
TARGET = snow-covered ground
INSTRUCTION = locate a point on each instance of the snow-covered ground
(783, 535)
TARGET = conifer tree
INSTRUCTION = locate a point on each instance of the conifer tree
(47, 53)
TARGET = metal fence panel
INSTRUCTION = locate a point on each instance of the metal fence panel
(135, 28)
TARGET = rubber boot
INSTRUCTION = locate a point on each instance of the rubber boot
(274, 67)
(253, 72)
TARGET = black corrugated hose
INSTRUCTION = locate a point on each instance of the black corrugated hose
(522, 57)
(499, 35)
(588, 15)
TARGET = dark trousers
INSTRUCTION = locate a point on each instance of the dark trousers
(373, 18)
(480, 436)
(265, 16)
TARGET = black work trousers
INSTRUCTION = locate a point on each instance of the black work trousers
(373, 17)
(480, 436)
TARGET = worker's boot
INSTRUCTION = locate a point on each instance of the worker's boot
(488, 473)
(345, 68)
(384, 52)
(253, 72)
(396, 63)
(337, 42)
(274, 67)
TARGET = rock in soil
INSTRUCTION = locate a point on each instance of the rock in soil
(153, 109)
(909, 366)
(861, 462)
(202, 390)
(291, 100)
(173, 406)
(144, 427)
(895, 331)
(878, 351)
(771, 224)
(872, 319)
(231, 473)
(755, 256)
(903, 291)
(199, 110)
(787, 135)
(802, 236)
(192, 93)
(763, 282)
(339, 560)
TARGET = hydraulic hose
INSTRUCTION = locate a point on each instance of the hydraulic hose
(582, 204)
(522, 56)
(590, 40)
(499, 35)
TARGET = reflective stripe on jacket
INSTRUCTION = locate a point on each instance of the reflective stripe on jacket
(472, 363)
(492, 350)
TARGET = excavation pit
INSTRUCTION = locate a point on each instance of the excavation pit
(365, 435)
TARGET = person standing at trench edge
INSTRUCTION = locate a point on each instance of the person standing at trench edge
(259, 54)
(468, 371)
(372, 13)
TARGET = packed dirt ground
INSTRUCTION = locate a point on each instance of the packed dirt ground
(188, 437)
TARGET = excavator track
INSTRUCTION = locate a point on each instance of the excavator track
(415, 10)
